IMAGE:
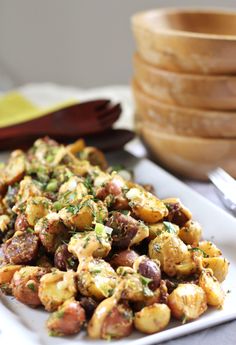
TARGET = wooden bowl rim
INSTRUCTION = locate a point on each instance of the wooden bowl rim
(146, 24)
(181, 75)
(195, 111)
(189, 139)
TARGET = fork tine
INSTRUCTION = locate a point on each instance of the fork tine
(223, 183)
(226, 176)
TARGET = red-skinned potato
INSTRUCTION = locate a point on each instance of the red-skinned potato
(178, 213)
(21, 223)
(123, 258)
(118, 323)
(89, 304)
(94, 156)
(6, 274)
(110, 189)
(150, 269)
(25, 284)
(127, 231)
(51, 231)
(63, 259)
(21, 248)
(111, 319)
(67, 320)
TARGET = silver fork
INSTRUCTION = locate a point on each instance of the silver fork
(226, 187)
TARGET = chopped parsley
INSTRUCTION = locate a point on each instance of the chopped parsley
(96, 271)
(195, 249)
(60, 314)
(89, 184)
(125, 212)
(169, 227)
(31, 286)
(145, 281)
(30, 230)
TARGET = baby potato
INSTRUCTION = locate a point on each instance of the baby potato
(146, 206)
(4, 222)
(218, 265)
(76, 147)
(90, 243)
(127, 231)
(214, 294)
(36, 208)
(21, 223)
(110, 189)
(89, 304)
(187, 302)
(2, 257)
(186, 267)
(95, 156)
(157, 228)
(6, 274)
(82, 216)
(96, 278)
(67, 320)
(64, 260)
(25, 285)
(135, 286)
(149, 300)
(102, 311)
(191, 232)
(44, 261)
(27, 189)
(118, 323)
(152, 319)
(51, 231)
(178, 213)
(21, 248)
(55, 288)
(170, 251)
(123, 258)
(72, 191)
(209, 248)
(15, 168)
(150, 269)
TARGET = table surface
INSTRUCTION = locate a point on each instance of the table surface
(49, 94)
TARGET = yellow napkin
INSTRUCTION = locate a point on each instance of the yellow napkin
(15, 108)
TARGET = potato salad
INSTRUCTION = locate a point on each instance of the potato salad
(98, 251)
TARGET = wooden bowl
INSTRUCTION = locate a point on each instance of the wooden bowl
(196, 41)
(184, 121)
(189, 157)
(187, 90)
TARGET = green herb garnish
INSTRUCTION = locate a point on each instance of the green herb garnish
(195, 249)
(169, 227)
(31, 286)
(145, 281)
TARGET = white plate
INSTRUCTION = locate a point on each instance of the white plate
(26, 326)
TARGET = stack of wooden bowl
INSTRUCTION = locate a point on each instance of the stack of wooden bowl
(184, 88)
